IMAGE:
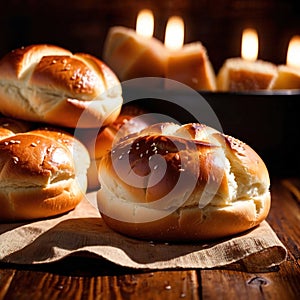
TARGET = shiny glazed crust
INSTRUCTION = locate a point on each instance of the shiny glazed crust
(43, 173)
(49, 84)
(182, 183)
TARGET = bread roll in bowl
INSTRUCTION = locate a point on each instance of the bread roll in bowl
(46, 83)
(42, 174)
(182, 183)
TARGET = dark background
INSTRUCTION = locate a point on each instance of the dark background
(82, 25)
(267, 123)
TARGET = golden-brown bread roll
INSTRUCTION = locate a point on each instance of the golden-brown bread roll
(238, 74)
(101, 142)
(182, 183)
(46, 83)
(42, 174)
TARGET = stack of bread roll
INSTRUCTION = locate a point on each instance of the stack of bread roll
(60, 115)
(43, 170)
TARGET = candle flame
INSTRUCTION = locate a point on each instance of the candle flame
(145, 23)
(249, 44)
(174, 33)
(293, 54)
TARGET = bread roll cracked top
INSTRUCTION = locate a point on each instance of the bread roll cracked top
(42, 172)
(49, 84)
(182, 183)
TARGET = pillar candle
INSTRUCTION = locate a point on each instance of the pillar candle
(289, 74)
(247, 73)
(189, 63)
(132, 53)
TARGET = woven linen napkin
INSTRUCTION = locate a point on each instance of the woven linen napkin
(83, 231)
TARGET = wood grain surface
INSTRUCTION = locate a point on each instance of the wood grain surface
(90, 278)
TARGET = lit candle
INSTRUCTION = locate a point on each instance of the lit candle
(174, 37)
(293, 55)
(132, 54)
(289, 74)
(145, 23)
(249, 47)
(247, 73)
(188, 64)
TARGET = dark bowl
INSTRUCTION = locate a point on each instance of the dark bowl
(268, 121)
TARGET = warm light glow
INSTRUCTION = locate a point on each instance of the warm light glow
(174, 33)
(293, 54)
(145, 23)
(250, 44)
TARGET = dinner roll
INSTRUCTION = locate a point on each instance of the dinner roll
(182, 183)
(100, 142)
(46, 83)
(42, 174)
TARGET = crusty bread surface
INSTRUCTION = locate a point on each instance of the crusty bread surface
(43, 172)
(46, 83)
(182, 183)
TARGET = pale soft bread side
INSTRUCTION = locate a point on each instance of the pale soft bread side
(46, 83)
(230, 193)
(191, 66)
(238, 74)
(132, 56)
(288, 78)
(42, 174)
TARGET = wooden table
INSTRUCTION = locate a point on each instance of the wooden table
(75, 278)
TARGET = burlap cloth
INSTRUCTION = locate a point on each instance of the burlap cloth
(82, 231)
